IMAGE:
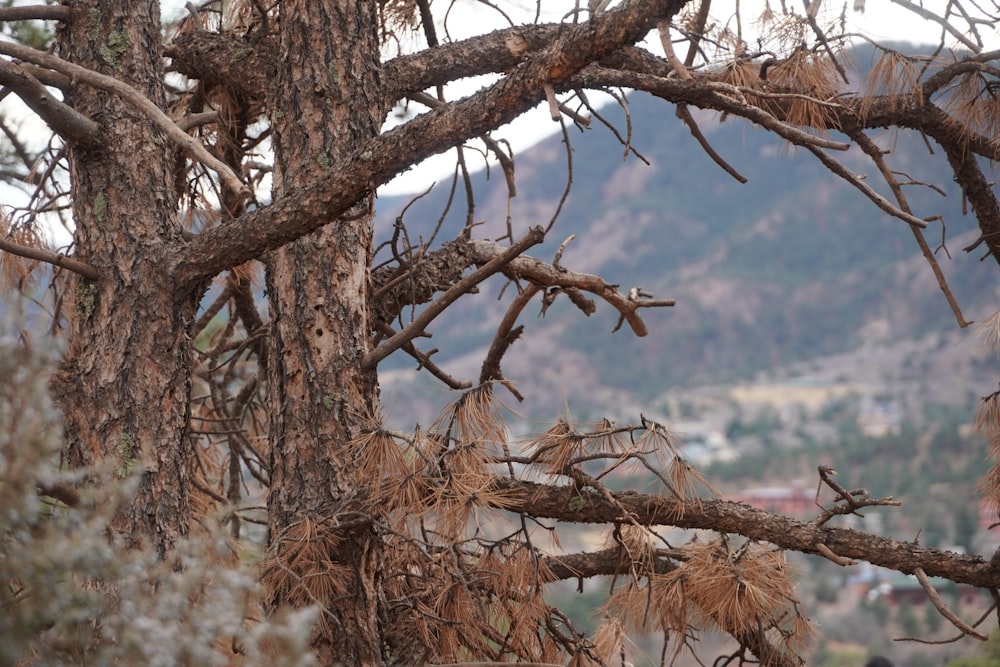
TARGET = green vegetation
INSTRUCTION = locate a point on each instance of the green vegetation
(989, 655)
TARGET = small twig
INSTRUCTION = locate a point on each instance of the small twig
(424, 361)
(873, 151)
(832, 557)
(866, 190)
(576, 117)
(961, 635)
(685, 115)
(941, 607)
(848, 502)
(550, 96)
(663, 28)
(559, 252)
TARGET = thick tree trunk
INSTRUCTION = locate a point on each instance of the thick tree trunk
(324, 102)
(123, 386)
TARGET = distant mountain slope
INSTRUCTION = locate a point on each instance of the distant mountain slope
(796, 264)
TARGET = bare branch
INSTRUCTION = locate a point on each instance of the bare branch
(943, 608)
(505, 336)
(66, 121)
(557, 502)
(873, 151)
(546, 275)
(940, 20)
(426, 316)
(191, 146)
(39, 12)
(866, 190)
(685, 115)
(424, 361)
(50, 257)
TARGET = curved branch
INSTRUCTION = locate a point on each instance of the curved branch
(191, 146)
(505, 336)
(65, 120)
(939, 604)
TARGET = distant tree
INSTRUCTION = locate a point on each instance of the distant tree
(177, 380)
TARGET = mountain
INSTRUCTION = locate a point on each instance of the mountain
(794, 267)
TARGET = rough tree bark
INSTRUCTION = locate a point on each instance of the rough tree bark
(124, 383)
(325, 101)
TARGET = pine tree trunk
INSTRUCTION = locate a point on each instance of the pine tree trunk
(324, 103)
(124, 383)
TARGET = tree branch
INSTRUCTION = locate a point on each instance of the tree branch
(563, 503)
(937, 18)
(39, 12)
(535, 236)
(191, 146)
(547, 275)
(49, 257)
(939, 604)
(65, 120)
(873, 152)
(977, 190)
(866, 190)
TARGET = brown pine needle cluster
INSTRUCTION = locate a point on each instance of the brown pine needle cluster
(974, 100)
(747, 591)
(302, 565)
(17, 273)
(812, 79)
(892, 76)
